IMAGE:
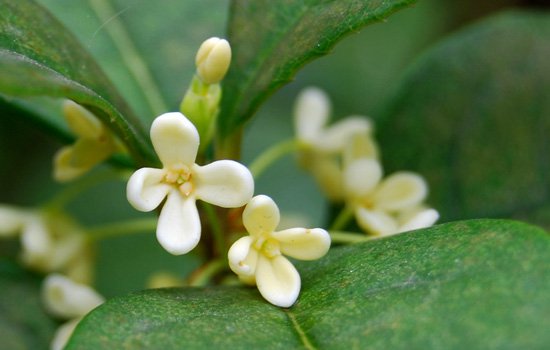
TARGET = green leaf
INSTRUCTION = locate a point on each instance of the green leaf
(39, 57)
(23, 322)
(271, 40)
(479, 284)
(473, 117)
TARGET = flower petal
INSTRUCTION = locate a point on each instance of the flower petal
(175, 140)
(35, 241)
(145, 190)
(261, 215)
(73, 161)
(302, 243)
(400, 191)
(12, 220)
(242, 257)
(179, 225)
(81, 121)
(224, 183)
(418, 219)
(338, 135)
(63, 333)
(360, 146)
(375, 223)
(361, 177)
(277, 280)
(328, 174)
(67, 299)
(311, 113)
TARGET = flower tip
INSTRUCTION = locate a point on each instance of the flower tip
(213, 59)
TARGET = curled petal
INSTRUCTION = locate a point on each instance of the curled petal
(311, 113)
(35, 241)
(418, 219)
(376, 223)
(302, 243)
(400, 191)
(361, 177)
(72, 161)
(12, 220)
(179, 225)
(277, 280)
(261, 215)
(175, 140)
(63, 333)
(242, 257)
(81, 121)
(334, 138)
(224, 183)
(145, 189)
(67, 299)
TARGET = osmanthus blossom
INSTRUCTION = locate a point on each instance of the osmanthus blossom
(321, 146)
(224, 183)
(95, 143)
(386, 206)
(258, 258)
(65, 299)
(50, 241)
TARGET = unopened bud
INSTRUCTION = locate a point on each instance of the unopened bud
(213, 59)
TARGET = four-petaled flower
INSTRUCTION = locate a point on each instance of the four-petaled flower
(257, 258)
(387, 206)
(224, 183)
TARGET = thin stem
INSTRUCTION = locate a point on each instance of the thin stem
(349, 237)
(204, 274)
(133, 60)
(215, 225)
(271, 155)
(342, 219)
(123, 228)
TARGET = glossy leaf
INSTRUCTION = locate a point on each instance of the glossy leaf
(39, 57)
(474, 284)
(473, 117)
(23, 322)
(272, 40)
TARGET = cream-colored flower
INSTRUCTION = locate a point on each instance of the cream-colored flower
(50, 241)
(66, 299)
(213, 59)
(322, 147)
(224, 183)
(387, 206)
(95, 143)
(258, 258)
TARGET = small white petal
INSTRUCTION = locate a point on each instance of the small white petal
(311, 113)
(302, 243)
(261, 215)
(361, 177)
(360, 146)
(63, 334)
(375, 223)
(400, 191)
(145, 190)
(328, 174)
(224, 183)
(67, 299)
(334, 138)
(420, 219)
(175, 140)
(242, 257)
(277, 280)
(12, 220)
(36, 241)
(213, 59)
(81, 121)
(179, 225)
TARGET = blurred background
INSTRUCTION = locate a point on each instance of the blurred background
(360, 75)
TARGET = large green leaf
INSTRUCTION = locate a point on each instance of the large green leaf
(38, 56)
(23, 322)
(271, 40)
(473, 116)
(475, 284)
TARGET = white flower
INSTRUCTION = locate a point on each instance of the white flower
(213, 59)
(387, 206)
(257, 259)
(63, 298)
(95, 143)
(224, 183)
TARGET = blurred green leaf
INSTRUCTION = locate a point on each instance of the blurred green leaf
(473, 117)
(473, 284)
(23, 322)
(271, 41)
(39, 57)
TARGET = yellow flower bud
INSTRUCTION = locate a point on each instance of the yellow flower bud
(213, 59)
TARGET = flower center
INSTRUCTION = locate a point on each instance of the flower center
(181, 177)
(269, 247)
